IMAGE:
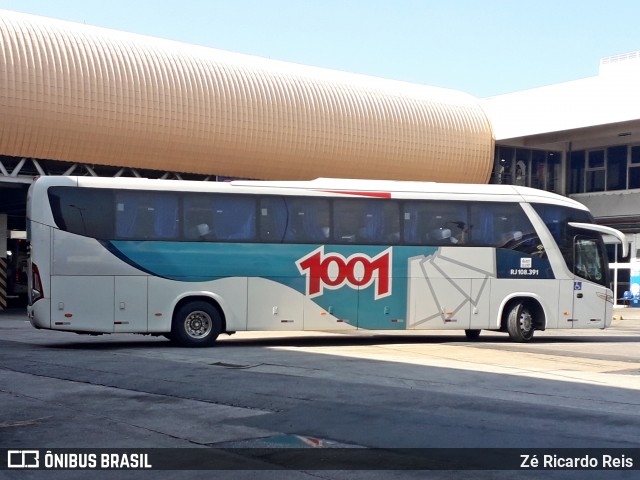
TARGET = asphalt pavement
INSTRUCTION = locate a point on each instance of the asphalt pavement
(369, 390)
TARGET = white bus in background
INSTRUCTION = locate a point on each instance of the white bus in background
(191, 260)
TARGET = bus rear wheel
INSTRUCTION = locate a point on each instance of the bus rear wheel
(520, 323)
(196, 324)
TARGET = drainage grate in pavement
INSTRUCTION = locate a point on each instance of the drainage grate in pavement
(233, 365)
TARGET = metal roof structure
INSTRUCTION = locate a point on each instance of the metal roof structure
(610, 98)
(78, 93)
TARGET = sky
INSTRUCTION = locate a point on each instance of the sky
(482, 47)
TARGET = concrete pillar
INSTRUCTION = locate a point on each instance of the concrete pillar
(3, 261)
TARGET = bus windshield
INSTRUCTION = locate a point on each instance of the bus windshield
(583, 253)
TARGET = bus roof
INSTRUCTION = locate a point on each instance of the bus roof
(419, 189)
(331, 186)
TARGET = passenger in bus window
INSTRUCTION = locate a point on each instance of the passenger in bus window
(442, 236)
(203, 230)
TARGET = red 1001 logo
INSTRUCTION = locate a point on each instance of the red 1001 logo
(357, 271)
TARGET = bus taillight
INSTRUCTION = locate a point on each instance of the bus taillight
(36, 286)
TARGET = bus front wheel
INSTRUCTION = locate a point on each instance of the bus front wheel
(520, 323)
(196, 324)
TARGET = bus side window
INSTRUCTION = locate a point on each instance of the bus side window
(234, 218)
(198, 217)
(381, 222)
(451, 223)
(418, 222)
(308, 220)
(349, 218)
(146, 215)
(411, 226)
(83, 211)
(272, 219)
(431, 222)
(391, 225)
(143, 225)
(511, 227)
(504, 226)
(374, 222)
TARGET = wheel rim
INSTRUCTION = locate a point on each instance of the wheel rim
(526, 323)
(198, 324)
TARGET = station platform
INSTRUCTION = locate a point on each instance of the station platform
(626, 313)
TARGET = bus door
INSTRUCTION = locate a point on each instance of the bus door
(589, 284)
(82, 303)
(130, 308)
(86, 303)
(272, 305)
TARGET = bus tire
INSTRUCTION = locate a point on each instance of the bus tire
(472, 334)
(520, 323)
(196, 324)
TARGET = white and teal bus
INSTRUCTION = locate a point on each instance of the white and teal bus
(192, 260)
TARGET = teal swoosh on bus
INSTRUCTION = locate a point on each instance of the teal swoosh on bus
(202, 262)
(199, 262)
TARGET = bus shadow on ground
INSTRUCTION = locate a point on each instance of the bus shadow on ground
(108, 342)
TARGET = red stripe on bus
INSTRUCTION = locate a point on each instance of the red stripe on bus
(361, 194)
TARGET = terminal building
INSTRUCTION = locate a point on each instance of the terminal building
(580, 139)
(82, 100)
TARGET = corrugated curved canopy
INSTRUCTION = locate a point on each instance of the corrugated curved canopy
(78, 93)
